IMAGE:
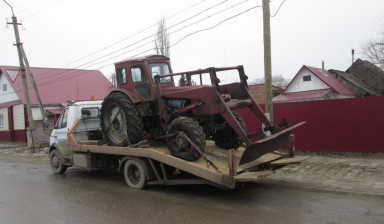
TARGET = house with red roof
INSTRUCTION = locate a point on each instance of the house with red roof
(55, 86)
(314, 84)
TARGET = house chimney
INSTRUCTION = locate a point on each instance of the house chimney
(353, 55)
(322, 64)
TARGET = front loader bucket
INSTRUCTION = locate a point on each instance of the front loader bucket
(267, 145)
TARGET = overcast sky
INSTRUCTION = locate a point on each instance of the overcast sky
(94, 34)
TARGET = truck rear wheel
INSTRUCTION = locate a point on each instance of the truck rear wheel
(178, 145)
(120, 121)
(135, 171)
(56, 163)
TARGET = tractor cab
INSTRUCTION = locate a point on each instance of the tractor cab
(136, 77)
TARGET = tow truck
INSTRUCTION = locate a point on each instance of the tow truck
(77, 141)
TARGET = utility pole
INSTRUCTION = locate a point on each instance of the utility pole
(24, 79)
(33, 82)
(267, 60)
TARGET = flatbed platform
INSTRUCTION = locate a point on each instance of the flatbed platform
(221, 173)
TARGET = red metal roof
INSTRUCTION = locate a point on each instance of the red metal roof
(331, 80)
(57, 85)
(313, 94)
(11, 103)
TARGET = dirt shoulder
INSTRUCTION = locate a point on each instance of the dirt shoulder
(348, 172)
(15, 151)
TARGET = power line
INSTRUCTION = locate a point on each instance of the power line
(43, 9)
(151, 41)
(195, 32)
(213, 6)
(190, 34)
(209, 28)
(76, 71)
(150, 36)
(278, 8)
(132, 35)
(30, 7)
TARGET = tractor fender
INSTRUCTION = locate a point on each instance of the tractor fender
(125, 92)
(144, 108)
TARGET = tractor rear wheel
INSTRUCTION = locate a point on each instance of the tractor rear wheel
(178, 145)
(120, 121)
(226, 137)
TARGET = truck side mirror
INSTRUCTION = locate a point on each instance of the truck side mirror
(45, 123)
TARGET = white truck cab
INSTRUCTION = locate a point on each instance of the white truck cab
(60, 152)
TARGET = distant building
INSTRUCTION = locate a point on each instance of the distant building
(314, 84)
(360, 87)
(56, 87)
(369, 73)
(257, 91)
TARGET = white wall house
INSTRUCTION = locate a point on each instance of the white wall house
(314, 84)
(306, 81)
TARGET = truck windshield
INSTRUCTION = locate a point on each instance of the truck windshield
(159, 69)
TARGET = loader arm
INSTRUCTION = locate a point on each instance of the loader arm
(211, 97)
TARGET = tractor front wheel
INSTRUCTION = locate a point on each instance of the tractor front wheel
(179, 145)
(227, 137)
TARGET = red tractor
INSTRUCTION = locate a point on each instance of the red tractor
(147, 104)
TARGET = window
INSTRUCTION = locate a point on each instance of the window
(138, 74)
(306, 78)
(121, 76)
(92, 112)
(62, 122)
(1, 121)
(159, 69)
(58, 123)
(4, 87)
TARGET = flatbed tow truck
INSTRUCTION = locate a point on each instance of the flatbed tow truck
(76, 141)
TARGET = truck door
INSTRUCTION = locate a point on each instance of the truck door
(60, 134)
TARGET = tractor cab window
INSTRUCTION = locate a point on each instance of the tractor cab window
(121, 76)
(159, 69)
(137, 74)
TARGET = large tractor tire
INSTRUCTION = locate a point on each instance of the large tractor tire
(178, 145)
(120, 121)
(227, 137)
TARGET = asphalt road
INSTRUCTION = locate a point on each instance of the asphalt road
(30, 193)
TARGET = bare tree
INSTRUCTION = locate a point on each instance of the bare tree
(277, 80)
(112, 79)
(162, 41)
(373, 50)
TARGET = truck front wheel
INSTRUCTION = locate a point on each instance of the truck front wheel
(56, 163)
